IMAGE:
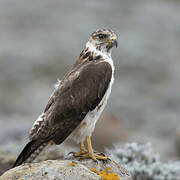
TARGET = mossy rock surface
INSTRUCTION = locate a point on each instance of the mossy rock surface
(71, 168)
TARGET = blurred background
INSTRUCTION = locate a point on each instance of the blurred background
(40, 40)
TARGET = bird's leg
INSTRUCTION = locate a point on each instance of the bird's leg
(82, 150)
(91, 153)
(90, 149)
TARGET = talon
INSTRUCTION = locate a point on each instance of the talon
(94, 156)
(89, 155)
(101, 157)
(101, 153)
(77, 154)
(70, 153)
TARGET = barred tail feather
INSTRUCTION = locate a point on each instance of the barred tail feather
(30, 152)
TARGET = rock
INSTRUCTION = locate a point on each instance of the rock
(70, 168)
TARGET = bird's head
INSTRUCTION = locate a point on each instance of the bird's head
(103, 40)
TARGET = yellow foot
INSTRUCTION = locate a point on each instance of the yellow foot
(82, 150)
(101, 157)
(77, 154)
(94, 156)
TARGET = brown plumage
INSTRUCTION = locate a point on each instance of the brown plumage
(80, 92)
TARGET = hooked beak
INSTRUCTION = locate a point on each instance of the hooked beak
(114, 41)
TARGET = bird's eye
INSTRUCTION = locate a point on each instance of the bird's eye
(102, 36)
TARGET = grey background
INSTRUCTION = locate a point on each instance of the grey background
(40, 40)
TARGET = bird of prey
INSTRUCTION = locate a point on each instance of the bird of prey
(77, 102)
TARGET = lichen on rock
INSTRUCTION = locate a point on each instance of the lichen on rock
(69, 168)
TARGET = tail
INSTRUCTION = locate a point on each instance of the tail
(30, 152)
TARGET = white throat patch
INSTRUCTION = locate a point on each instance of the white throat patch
(106, 55)
(102, 52)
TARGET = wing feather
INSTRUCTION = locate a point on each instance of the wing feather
(79, 92)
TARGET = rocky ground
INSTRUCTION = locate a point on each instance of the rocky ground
(40, 40)
(126, 162)
(69, 169)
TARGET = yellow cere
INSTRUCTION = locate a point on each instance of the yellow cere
(113, 38)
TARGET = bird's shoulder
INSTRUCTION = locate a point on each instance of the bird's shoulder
(82, 75)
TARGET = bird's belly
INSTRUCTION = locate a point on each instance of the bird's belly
(86, 127)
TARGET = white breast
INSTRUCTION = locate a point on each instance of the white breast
(87, 126)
